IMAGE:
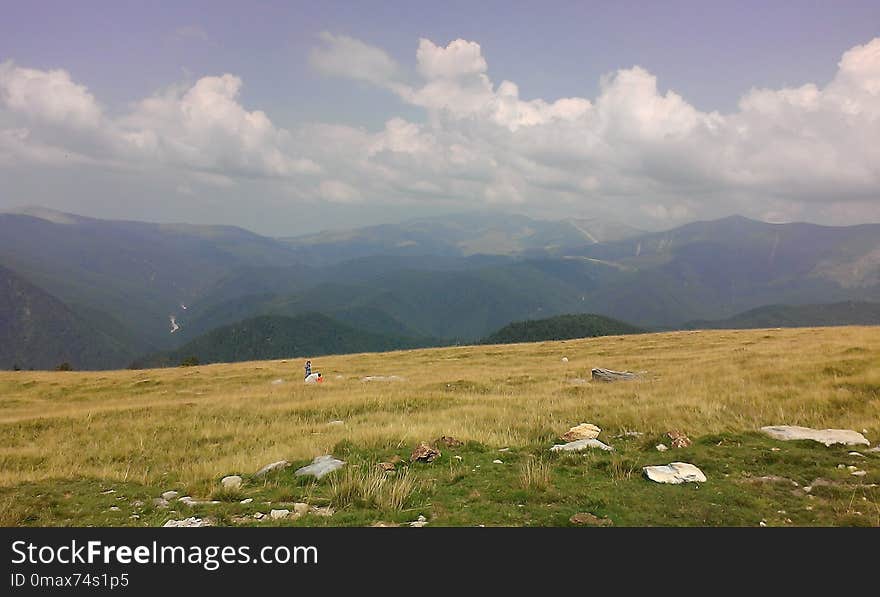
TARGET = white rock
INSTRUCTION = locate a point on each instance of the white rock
(496, 461)
(301, 508)
(457, 457)
(190, 522)
(160, 503)
(320, 466)
(231, 483)
(859, 454)
(419, 522)
(661, 447)
(824, 436)
(246, 501)
(858, 473)
(193, 502)
(383, 378)
(259, 515)
(276, 382)
(114, 508)
(279, 514)
(581, 444)
(875, 449)
(675, 473)
(852, 467)
(564, 359)
(582, 431)
(336, 423)
(275, 466)
(170, 495)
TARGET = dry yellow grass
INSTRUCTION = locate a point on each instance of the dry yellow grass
(200, 423)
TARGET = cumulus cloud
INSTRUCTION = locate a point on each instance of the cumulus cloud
(632, 149)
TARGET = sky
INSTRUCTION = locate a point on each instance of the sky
(288, 118)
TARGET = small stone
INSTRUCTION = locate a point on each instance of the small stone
(504, 449)
(382, 524)
(320, 466)
(457, 457)
(137, 504)
(336, 423)
(419, 522)
(386, 466)
(135, 516)
(276, 382)
(170, 495)
(858, 473)
(191, 522)
(762, 523)
(246, 501)
(675, 473)
(859, 454)
(841, 466)
(496, 461)
(279, 514)
(160, 503)
(564, 359)
(582, 431)
(275, 466)
(679, 439)
(231, 483)
(114, 508)
(259, 515)
(590, 520)
(661, 447)
(300, 508)
(852, 468)
(581, 444)
(425, 453)
(108, 492)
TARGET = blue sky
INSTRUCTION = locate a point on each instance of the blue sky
(452, 142)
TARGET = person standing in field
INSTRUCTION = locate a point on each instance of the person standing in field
(308, 368)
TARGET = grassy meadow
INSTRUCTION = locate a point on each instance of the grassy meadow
(68, 438)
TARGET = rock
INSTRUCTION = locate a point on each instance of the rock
(336, 423)
(853, 473)
(276, 382)
(320, 466)
(582, 431)
(581, 444)
(609, 375)
(383, 378)
(496, 461)
(259, 515)
(675, 473)
(449, 442)
(679, 439)
(300, 508)
(325, 511)
(108, 492)
(875, 449)
(564, 359)
(137, 504)
(160, 503)
(191, 522)
(504, 449)
(386, 466)
(231, 483)
(629, 434)
(859, 454)
(419, 522)
(194, 502)
(383, 524)
(424, 453)
(114, 508)
(279, 514)
(457, 457)
(587, 519)
(661, 447)
(170, 495)
(275, 466)
(823, 436)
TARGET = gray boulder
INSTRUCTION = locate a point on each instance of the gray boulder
(320, 466)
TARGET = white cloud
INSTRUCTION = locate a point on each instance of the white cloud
(345, 56)
(632, 149)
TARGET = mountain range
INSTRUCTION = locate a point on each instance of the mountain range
(147, 288)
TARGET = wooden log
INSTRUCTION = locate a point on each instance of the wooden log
(609, 375)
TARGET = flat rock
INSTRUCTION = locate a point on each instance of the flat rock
(300, 508)
(275, 466)
(582, 431)
(496, 461)
(246, 501)
(661, 447)
(581, 444)
(675, 473)
(189, 501)
(600, 374)
(160, 503)
(590, 520)
(320, 466)
(383, 378)
(191, 522)
(419, 522)
(279, 514)
(276, 382)
(231, 482)
(170, 495)
(828, 437)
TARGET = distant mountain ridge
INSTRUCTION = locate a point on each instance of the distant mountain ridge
(773, 316)
(561, 327)
(278, 337)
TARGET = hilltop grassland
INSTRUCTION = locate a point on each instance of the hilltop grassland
(67, 437)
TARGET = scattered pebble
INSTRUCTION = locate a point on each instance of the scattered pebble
(279, 514)
(661, 447)
(246, 501)
(419, 522)
(170, 495)
(496, 461)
